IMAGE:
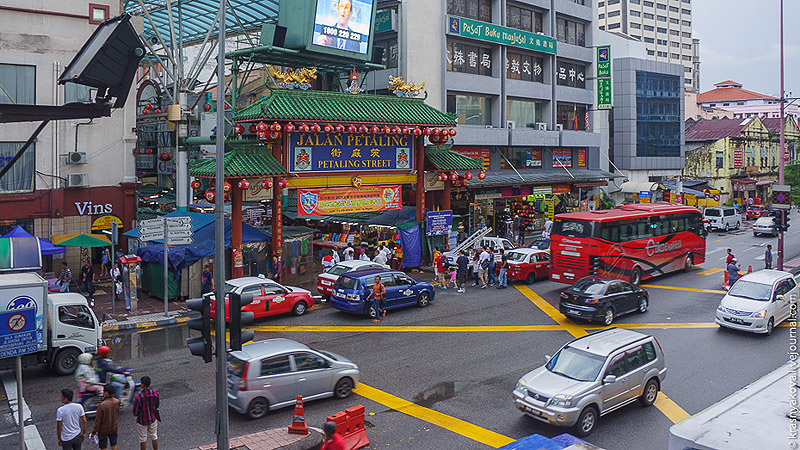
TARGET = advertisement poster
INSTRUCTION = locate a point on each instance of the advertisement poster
(343, 24)
(316, 202)
(582, 157)
(334, 152)
(738, 158)
(475, 152)
(438, 222)
(533, 157)
(562, 158)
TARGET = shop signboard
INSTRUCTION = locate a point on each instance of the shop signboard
(344, 152)
(542, 190)
(603, 77)
(561, 189)
(562, 157)
(475, 152)
(738, 158)
(591, 184)
(551, 208)
(438, 222)
(644, 196)
(496, 34)
(533, 157)
(432, 182)
(581, 157)
(104, 222)
(488, 195)
(315, 202)
(257, 192)
(384, 20)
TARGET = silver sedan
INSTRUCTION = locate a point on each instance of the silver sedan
(764, 225)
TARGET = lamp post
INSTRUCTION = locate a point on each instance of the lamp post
(781, 161)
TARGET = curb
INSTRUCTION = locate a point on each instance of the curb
(148, 324)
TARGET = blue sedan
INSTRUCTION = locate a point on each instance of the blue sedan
(350, 292)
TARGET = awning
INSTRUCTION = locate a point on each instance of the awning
(446, 159)
(80, 240)
(539, 178)
(634, 187)
(241, 162)
(765, 182)
(45, 246)
(742, 181)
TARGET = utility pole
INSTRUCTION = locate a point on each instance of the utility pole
(782, 150)
(219, 243)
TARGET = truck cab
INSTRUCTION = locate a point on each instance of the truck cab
(74, 329)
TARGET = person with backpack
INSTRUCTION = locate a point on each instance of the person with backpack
(483, 267)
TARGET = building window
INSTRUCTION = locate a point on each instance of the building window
(649, 40)
(98, 13)
(720, 160)
(661, 41)
(20, 177)
(662, 54)
(635, 2)
(674, 21)
(571, 32)
(686, 34)
(569, 74)
(571, 116)
(471, 9)
(520, 66)
(637, 37)
(602, 27)
(687, 23)
(390, 51)
(661, 6)
(613, 2)
(675, 44)
(661, 18)
(582, 2)
(648, 4)
(472, 59)
(686, 11)
(614, 13)
(661, 30)
(613, 26)
(687, 46)
(673, 32)
(470, 109)
(674, 56)
(525, 113)
(687, 69)
(674, 9)
(658, 119)
(648, 28)
(687, 58)
(520, 158)
(648, 16)
(601, 4)
(17, 84)
(601, 16)
(651, 52)
(524, 19)
(635, 13)
(636, 26)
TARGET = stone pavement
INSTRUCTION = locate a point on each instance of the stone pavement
(277, 438)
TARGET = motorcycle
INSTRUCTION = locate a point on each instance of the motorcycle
(90, 399)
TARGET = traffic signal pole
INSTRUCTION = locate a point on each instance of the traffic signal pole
(782, 156)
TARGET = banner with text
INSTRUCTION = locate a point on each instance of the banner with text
(604, 77)
(316, 202)
(438, 222)
(488, 32)
(335, 152)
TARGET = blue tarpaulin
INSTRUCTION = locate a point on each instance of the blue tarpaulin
(182, 256)
(46, 247)
(395, 217)
(410, 239)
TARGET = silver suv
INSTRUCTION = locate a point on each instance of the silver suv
(270, 374)
(592, 376)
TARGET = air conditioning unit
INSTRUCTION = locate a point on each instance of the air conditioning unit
(511, 124)
(541, 126)
(76, 158)
(559, 127)
(77, 180)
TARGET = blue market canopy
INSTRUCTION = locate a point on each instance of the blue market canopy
(46, 247)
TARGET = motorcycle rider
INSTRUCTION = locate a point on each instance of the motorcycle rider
(107, 369)
(86, 375)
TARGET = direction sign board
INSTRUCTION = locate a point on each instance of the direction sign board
(160, 221)
(18, 332)
(153, 229)
(180, 240)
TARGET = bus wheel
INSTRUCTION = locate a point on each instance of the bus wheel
(688, 263)
(636, 276)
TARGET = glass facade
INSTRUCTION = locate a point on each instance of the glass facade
(470, 109)
(524, 113)
(658, 114)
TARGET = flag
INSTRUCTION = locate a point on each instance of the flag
(575, 118)
(587, 120)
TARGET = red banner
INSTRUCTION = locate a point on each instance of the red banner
(316, 202)
(582, 157)
(738, 158)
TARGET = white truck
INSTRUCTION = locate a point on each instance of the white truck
(65, 325)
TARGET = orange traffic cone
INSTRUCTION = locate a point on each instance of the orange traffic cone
(298, 425)
(726, 280)
(750, 268)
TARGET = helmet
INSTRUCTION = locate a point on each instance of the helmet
(103, 351)
(85, 358)
(329, 428)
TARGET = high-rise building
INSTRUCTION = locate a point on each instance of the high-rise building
(665, 26)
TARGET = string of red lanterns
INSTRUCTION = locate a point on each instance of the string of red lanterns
(441, 133)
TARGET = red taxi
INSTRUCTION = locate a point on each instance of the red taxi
(269, 297)
(756, 211)
(528, 264)
(326, 280)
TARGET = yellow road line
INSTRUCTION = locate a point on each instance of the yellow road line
(551, 311)
(678, 288)
(711, 271)
(450, 423)
(658, 325)
(669, 408)
(406, 329)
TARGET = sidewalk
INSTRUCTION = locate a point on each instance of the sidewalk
(274, 439)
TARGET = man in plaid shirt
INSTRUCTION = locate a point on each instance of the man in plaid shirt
(145, 407)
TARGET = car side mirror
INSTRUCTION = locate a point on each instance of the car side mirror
(609, 379)
(779, 298)
(547, 357)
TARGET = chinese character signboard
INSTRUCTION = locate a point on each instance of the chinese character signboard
(738, 158)
(438, 222)
(581, 157)
(604, 93)
(487, 32)
(315, 202)
(335, 152)
(562, 157)
(604, 77)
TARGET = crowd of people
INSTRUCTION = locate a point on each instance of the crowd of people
(480, 264)
(732, 265)
(391, 255)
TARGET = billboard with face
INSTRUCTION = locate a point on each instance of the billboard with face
(343, 24)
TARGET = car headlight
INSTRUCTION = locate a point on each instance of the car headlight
(759, 314)
(521, 385)
(561, 400)
(721, 308)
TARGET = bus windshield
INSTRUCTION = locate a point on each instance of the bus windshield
(576, 228)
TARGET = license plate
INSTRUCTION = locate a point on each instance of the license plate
(572, 311)
(735, 320)
(533, 411)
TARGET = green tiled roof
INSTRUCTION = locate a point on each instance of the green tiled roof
(323, 106)
(241, 162)
(446, 159)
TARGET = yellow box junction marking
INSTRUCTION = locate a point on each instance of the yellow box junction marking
(678, 288)
(669, 408)
(711, 271)
(551, 311)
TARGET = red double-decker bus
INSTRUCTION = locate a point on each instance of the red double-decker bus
(631, 242)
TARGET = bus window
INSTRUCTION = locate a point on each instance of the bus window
(610, 232)
(576, 228)
(642, 230)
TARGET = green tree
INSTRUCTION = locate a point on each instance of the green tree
(791, 176)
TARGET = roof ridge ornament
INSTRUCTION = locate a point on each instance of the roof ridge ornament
(403, 89)
(354, 77)
(293, 79)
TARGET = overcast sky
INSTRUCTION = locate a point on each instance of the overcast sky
(739, 40)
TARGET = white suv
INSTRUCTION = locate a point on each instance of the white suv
(758, 302)
(722, 218)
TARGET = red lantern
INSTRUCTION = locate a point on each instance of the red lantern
(226, 107)
(166, 156)
(314, 128)
(433, 139)
(468, 176)
(149, 151)
(196, 184)
(386, 129)
(266, 184)
(452, 131)
(374, 129)
(282, 183)
(244, 184)
(212, 182)
(238, 129)
(273, 136)
(145, 111)
(396, 130)
(209, 195)
(444, 132)
(276, 127)
(289, 128)
(351, 129)
(454, 176)
(436, 131)
(328, 128)
(405, 130)
(262, 127)
(303, 128)
(226, 187)
(262, 136)
(157, 111)
(481, 175)
(148, 106)
(442, 177)
(207, 106)
(443, 139)
(416, 132)
(427, 131)
(252, 129)
(363, 129)
(339, 128)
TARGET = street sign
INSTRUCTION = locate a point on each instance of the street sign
(179, 233)
(154, 229)
(180, 241)
(18, 332)
(160, 221)
(644, 194)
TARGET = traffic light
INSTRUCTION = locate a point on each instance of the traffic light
(776, 219)
(201, 345)
(785, 221)
(239, 318)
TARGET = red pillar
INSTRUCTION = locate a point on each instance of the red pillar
(236, 229)
(420, 166)
(277, 203)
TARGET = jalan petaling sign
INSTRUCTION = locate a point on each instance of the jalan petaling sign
(334, 152)
(487, 32)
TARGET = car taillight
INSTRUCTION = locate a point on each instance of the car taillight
(563, 295)
(243, 381)
(592, 300)
(659, 345)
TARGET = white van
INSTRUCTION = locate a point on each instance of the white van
(722, 218)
